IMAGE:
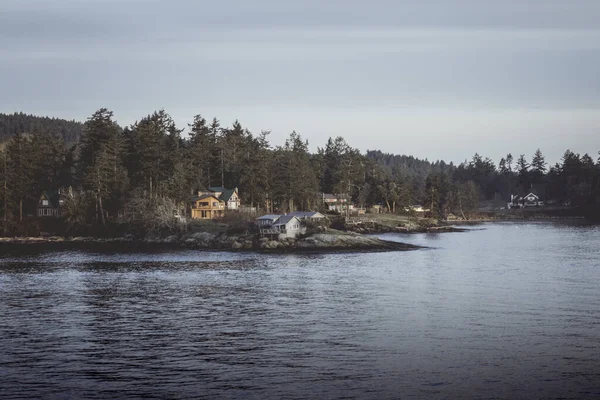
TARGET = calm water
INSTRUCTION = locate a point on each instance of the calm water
(509, 311)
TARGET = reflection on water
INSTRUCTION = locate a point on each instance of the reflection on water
(511, 311)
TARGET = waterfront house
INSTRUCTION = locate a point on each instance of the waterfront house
(267, 220)
(529, 200)
(50, 203)
(207, 206)
(286, 226)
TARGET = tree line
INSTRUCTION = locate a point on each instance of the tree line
(121, 173)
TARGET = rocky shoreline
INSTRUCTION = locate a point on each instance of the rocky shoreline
(380, 228)
(319, 242)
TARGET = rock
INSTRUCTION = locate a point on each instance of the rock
(171, 239)
(273, 244)
(236, 245)
(190, 242)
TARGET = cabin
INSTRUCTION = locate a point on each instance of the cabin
(231, 197)
(334, 202)
(207, 206)
(286, 226)
(50, 203)
(529, 200)
(417, 208)
(307, 215)
(267, 220)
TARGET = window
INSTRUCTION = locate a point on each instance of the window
(44, 202)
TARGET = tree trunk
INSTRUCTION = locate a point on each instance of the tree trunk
(5, 227)
(99, 194)
(101, 210)
(222, 167)
(21, 210)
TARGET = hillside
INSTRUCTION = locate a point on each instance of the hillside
(12, 124)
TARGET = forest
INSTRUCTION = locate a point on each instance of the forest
(131, 173)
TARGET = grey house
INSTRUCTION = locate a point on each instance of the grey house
(283, 227)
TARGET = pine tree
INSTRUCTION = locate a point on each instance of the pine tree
(152, 142)
(199, 153)
(100, 166)
(19, 172)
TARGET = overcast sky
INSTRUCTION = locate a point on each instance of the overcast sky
(436, 79)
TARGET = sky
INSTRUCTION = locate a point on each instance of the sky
(437, 79)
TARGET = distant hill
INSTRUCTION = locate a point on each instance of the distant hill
(11, 124)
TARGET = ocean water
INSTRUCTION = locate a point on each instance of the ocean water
(507, 310)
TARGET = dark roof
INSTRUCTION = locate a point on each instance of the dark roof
(227, 193)
(52, 196)
(329, 196)
(270, 216)
(284, 219)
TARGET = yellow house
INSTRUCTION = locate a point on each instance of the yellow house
(207, 207)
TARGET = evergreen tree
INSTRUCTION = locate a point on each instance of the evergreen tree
(19, 173)
(152, 157)
(100, 166)
(200, 151)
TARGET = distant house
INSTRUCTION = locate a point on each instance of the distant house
(286, 226)
(418, 208)
(267, 220)
(50, 203)
(231, 197)
(307, 215)
(334, 202)
(376, 208)
(280, 226)
(529, 200)
(207, 206)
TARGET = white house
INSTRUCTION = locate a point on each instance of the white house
(418, 208)
(288, 226)
(530, 200)
(282, 227)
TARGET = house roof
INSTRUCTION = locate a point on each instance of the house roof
(204, 196)
(52, 196)
(329, 196)
(227, 193)
(270, 216)
(285, 219)
(306, 214)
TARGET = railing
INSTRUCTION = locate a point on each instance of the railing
(271, 231)
(206, 208)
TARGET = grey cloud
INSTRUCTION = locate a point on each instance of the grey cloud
(281, 63)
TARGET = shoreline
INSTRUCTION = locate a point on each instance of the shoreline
(202, 241)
